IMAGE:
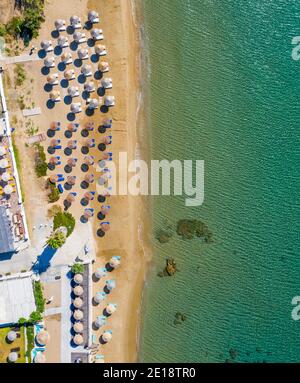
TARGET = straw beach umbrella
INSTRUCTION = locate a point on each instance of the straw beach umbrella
(78, 327)
(73, 91)
(100, 321)
(49, 62)
(79, 37)
(89, 87)
(71, 180)
(55, 96)
(93, 17)
(66, 58)
(78, 278)
(52, 79)
(78, 339)
(78, 291)
(97, 34)
(111, 308)
(106, 336)
(60, 25)
(86, 70)
(115, 262)
(53, 178)
(106, 83)
(100, 50)
(43, 338)
(99, 297)
(54, 126)
(110, 284)
(89, 196)
(89, 178)
(12, 357)
(11, 336)
(76, 107)
(90, 143)
(72, 144)
(109, 101)
(100, 272)
(70, 198)
(2, 151)
(93, 103)
(89, 126)
(72, 162)
(78, 314)
(78, 303)
(75, 21)
(46, 45)
(8, 189)
(89, 160)
(103, 66)
(39, 357)
(63, 41)
(69, 74)
(83, 54)
(5, 177)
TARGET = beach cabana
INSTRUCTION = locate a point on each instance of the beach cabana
(52, 79)
(109, 101)
(49, 62)
(79, 37)
(39, 357)
(93, 17)
(42, 338)
(78, 278)
(78, 291)
(78, 314)
(78, 327)
(5, 176)
(69, 74)
(78, 303)
(55, 96)
(12, 357)
(83, 54)
(115, 261)
(100, 50)
(66, 58)
(106, 83)
(100, 321)
(100, 272)
(76, 108)
(11, 336)
(89, 87)
(106, 336)
(86, 70)
(73, 91)
(63, 42)
(60, 25)
(2, 151)
(110, 284)
(103, 66)
(97, 34)
(78, 339)
(99, 297)
(75, 22)
(111, 308)
(46, 45)
(93, 103)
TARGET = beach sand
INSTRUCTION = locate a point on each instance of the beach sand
(129, 216)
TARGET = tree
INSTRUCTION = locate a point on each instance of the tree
(56, 240)
(77, 268)
(35, 316)
(63, 219)
(22, 321)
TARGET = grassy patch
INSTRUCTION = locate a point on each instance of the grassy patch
(54, 194)
(18, 163)
(20, 74)
(77, 268)
(64, 219)
(5, 348)
(30, 341)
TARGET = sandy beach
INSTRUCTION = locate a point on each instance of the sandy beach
(129, 215)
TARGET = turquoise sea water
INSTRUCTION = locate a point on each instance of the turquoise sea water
(223, 88)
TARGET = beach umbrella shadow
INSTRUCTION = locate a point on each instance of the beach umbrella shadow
(68, 134)
(84, 168)
(91, 43)
(70, 30)
(58, 50)
(84, 202)
(50, 104)
(94, 58)
(78, 63)
(74, 46)
(71, 116)
(104, 109)
(61, 67)
(101, 91)
(45, 71)
(64, 83)
(84, 185)
(68, 100)
(98, 75)
(50, 133)
(48, 88)
(88, 25)
(42, 54)
(55, 34)
(85, 150)
(89, 112)
(68, 151)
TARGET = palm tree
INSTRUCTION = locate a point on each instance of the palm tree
(56, 240)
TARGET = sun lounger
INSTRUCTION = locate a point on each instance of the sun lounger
(57, 147)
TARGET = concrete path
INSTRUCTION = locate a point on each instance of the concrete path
(19, 59)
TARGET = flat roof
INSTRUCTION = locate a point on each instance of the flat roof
(16, 299)
(6, 236)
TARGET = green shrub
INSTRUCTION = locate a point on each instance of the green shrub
(41, 166)
(35, 316)
(64, 219)
(20, 74)
(30, 341)
(15, 26)
(2, 30)
(54, 194)
(56, 240)
(22, 321)
(77, 268)
(38, 296)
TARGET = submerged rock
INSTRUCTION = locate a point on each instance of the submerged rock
(189, 228)
(171, 267)
(163, 236)
(180, 318)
